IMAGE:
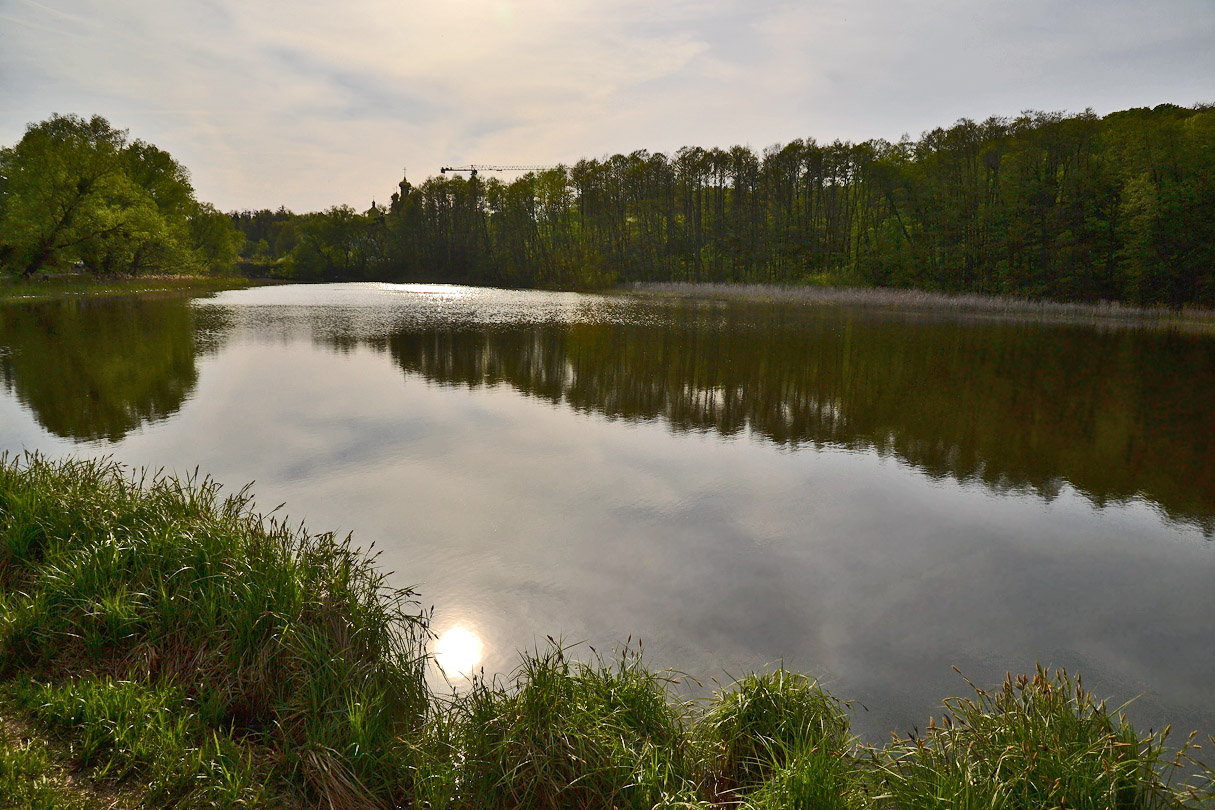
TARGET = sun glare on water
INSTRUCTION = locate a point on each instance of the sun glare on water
(459, 650)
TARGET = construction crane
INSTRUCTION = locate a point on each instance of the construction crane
(474, 168)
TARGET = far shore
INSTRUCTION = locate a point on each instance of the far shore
(1108, 314)
(1111, 313)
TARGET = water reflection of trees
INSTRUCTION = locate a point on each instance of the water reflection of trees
(1117, 414)
(91, 369)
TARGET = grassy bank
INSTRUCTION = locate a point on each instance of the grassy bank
(160, 644)
(1109, 313)
(69, 285)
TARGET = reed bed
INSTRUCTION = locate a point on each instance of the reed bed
(1103, 312)
(187, 651)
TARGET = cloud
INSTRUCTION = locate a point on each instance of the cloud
(314, 103)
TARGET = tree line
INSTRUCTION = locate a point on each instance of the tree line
(1047, 205)
(1070, 207)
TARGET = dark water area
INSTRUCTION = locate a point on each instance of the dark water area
(867, 496)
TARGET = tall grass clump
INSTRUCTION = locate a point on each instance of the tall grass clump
(778, 739)
(266, 633)
(568, 734)
(1040, 741)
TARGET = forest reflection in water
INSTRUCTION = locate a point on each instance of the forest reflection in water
(1117, 414)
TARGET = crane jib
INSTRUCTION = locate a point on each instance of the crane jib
(474, 168)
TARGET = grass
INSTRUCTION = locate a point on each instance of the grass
(815, 777)
(780, 731)
(73, 285)
(120, 731)
(564, 733)
(30, 778)
(1039, 741)
(170, 600)
(161, 644)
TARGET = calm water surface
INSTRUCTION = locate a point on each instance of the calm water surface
(870, 497)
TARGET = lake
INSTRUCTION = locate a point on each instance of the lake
(868, 496)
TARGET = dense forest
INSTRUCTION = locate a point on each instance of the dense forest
(1070, 207)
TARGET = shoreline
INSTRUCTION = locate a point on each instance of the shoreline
(963, 305)
(75, 286)
(1105, 314)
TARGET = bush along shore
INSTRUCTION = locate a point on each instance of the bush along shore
(162, 644)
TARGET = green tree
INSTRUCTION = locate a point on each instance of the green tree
(340, 244)
(76, 190)
(217, 242)
(60, 179)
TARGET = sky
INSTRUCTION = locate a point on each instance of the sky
(310, 104)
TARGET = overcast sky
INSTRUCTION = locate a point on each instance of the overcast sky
(311, 103)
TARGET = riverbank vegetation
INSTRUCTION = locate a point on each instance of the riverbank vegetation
(1105, 314)
(162, 643)
(80, 285)
(1045, 205)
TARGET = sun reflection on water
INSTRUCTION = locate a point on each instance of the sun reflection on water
(434, 291)
(459, 651)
